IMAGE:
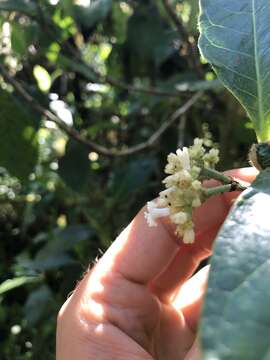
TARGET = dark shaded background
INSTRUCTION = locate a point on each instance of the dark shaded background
(109, 74)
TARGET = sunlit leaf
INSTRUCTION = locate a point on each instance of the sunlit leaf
(43, 78)
(11, 284)
(235, 40)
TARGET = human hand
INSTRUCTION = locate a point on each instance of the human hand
(139, 301)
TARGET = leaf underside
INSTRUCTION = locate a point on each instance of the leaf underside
(235, 39)
(236, 316)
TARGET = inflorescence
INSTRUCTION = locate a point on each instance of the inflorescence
(184, 189)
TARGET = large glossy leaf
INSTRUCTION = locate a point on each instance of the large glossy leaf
(18, 145)
(235, 38)
(236, 317)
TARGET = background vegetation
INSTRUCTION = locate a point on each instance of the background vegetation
(93, 96)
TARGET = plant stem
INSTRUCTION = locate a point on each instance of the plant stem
(234, 186)
(214, 174)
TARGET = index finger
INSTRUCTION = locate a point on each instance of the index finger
(141, 253)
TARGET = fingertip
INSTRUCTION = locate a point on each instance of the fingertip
(247, 174)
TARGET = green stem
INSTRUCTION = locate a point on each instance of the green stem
(214, 174)
(234, 186)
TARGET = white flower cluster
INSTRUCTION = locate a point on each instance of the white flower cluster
(184, 190)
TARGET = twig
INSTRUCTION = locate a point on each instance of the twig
(106, 79)
(214, 174)
(227, 181)
(192, 49)
(73, 133)
(223, 189)
(142, 90)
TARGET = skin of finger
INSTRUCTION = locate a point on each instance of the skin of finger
(89, 335)
(194, 353)
(189, 299)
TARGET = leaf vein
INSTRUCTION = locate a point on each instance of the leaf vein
(257, 65)
(212, 24)
(227, 49)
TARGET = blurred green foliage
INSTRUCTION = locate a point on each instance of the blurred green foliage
(114, 71)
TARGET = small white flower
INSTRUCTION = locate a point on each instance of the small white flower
(162, 202)
(189, 236)
(184, 157)
(197, 150)
(211, 158)
(153, 213)
(172, 180)
(167, 192)
(174, 164)
(179, 218)
(198, 142)
(185, 179)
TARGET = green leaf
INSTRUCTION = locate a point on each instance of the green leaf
(22, 37)
(236, 317)
(131, 178)
(18, 147)
(22, 6)
(148, 37)
(11, 284)
(92, 14)
(39, 304)
(54, 254)
(235, 40)
(43, 78)
(74, 166)
(62, 240)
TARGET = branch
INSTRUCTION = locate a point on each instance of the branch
(191, 46)
(104, 79)
(139, 89)
(74, 134)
